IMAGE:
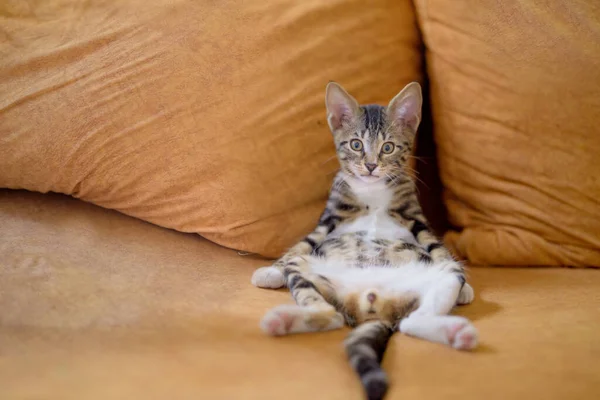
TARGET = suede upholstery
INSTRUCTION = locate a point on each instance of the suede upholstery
(98, 305)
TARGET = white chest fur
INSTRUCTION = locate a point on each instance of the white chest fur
(377, 223)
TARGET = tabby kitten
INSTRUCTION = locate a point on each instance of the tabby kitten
(371, 262)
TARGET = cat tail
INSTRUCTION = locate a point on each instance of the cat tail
(365, 346)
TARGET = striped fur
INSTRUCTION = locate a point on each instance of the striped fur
(365, 347)
(371, 262)
(374, 128)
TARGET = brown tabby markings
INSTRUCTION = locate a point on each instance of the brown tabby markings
(373, 149)
(344, 207)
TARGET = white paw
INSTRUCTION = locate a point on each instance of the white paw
(466, 295)
(279, 320)
(462, 335)
(268, 277)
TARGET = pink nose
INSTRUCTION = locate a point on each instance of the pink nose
(371, 166)
(371, 297)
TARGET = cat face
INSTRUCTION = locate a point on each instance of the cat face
(373, 304)
(373, 142)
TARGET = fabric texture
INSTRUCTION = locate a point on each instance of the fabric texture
(200, 116)
(515, 91)
(98, 305)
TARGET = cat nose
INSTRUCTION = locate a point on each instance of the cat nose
(371, 297)
(371, 166)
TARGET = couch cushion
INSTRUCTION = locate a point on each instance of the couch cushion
(201, 116)
(97, 305)
(515, 89)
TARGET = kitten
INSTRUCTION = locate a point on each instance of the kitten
(372, 261)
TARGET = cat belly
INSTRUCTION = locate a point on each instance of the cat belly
(414, 275)
(377, 225)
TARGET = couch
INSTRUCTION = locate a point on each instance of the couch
(98, 305)
(127, 243)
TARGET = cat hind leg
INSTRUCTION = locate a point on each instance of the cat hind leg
(457, 332)
(286, 319)
(311, 313)
(431, 322)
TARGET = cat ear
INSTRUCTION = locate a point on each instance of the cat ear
(405, 108)
(341, 107)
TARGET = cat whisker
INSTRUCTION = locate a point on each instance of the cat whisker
(393, 178)
(329, 159)
(411, 170)
(422, 159)
(415, 175)
(335, 171)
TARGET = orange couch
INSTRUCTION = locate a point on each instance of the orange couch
(98, 305)
(194, 116)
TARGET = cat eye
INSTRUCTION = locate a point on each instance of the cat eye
(356, 145)
(388, 147)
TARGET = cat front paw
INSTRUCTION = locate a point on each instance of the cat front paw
(268, 278)
(466, 295)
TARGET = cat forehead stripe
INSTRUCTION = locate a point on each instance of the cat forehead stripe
(374, 118)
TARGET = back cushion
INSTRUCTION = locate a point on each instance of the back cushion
(201, 116)
(515, 89)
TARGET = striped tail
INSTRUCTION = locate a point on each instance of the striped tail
(365, 347)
